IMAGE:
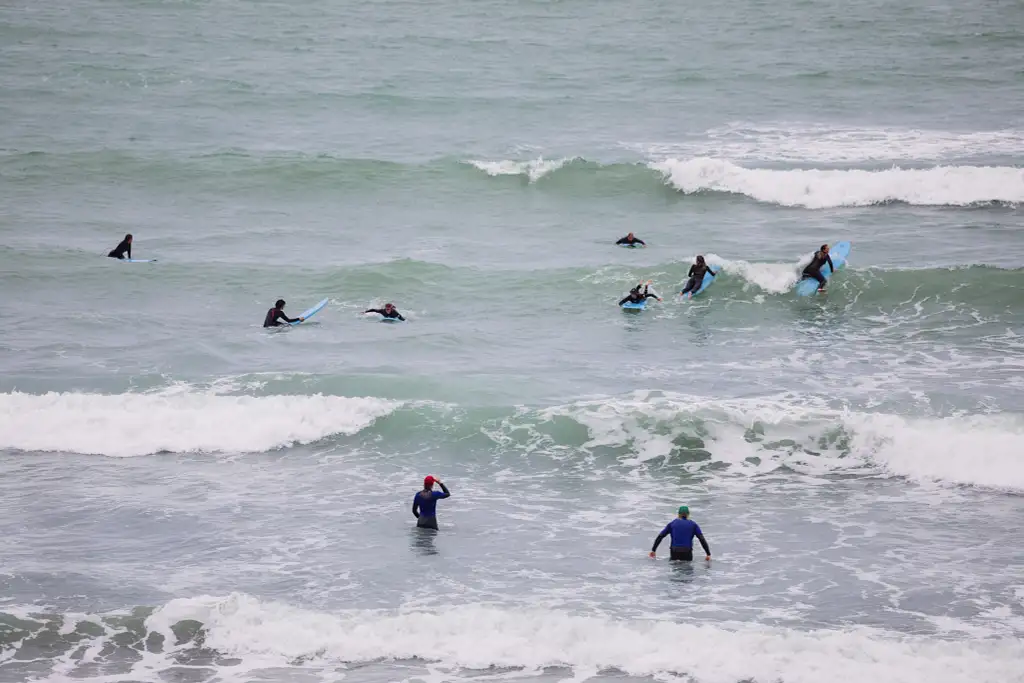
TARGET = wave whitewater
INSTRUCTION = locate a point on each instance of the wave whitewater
(174, 421)
(247, 635)
(823, 189)
(708, 438)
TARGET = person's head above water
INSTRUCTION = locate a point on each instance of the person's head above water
(428, 482)
(279, 303)
(388, 307)
(128, 237)
(684, 511)
(824, 248)
(629, 236)
(700, 259)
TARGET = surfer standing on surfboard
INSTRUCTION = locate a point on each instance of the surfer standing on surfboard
(813, 269)
(424, 505)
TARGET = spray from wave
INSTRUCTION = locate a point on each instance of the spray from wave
(533, 170)
(176, 421)
(239, 634)
(822, 189)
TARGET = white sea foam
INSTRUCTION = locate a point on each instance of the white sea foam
(534, 170)
(819, 189)
(776, 278)
(754, 436)
(177, 421)
(815, 143)
(477, 637)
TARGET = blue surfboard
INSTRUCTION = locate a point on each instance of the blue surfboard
(639, 306)
(137, 260)
(389, 320)
(309, 313)
(633, 246)
(839, 252)
(709, 277)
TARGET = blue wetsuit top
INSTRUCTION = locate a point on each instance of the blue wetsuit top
(424, 506)
(682, 531)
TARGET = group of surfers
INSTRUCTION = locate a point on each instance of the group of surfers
(682, 529)
(695, 277)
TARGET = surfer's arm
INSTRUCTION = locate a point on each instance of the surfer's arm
(622, 240)
(282, 316)
(704, 544)
(664, 532)
(445, 493)
(639, 241)
(829, 259)
(624, 300)
(374, 310)
(416, 506)
(399, 316)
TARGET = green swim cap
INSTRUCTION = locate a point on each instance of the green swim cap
(683, 510)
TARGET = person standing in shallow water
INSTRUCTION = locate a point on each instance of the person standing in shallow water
(424, 505)
(683, 531)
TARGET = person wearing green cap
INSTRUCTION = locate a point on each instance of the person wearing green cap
(683, 529)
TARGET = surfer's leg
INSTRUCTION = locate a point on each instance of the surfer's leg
(691, 284)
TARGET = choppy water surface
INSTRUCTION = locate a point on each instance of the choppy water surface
(188, 497)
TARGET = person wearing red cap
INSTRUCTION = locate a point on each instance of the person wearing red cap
(424, 505)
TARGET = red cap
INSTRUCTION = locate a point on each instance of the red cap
(428, 481)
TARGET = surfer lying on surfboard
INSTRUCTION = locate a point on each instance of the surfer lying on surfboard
(697, 272)
(631, 239)
(276, 314)
(640, 293)
(389, 311)
(813, 269)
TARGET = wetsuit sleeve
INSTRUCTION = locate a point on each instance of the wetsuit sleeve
(648, 295)
(703, 543)
(829, 259)
(374, 310)
(445, 493)
(690, 273)
(416, 506)
(640, 241)
(129, 251)
(664, 532)
(281, 316)
(624, 300)
(622, 240)
(400, 317)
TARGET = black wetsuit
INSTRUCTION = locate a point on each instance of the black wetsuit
(813, 269)
(125, 247)
(635, 240)
(424, 506)
(636, 296)
(696, 275)
(394, 314)
(274, 316)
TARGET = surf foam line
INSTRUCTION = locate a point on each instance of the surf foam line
(176, 421)
(756, 436)
(534, 170)
(476, 637)
(822, 189)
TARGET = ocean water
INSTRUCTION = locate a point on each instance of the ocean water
(187, 497)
